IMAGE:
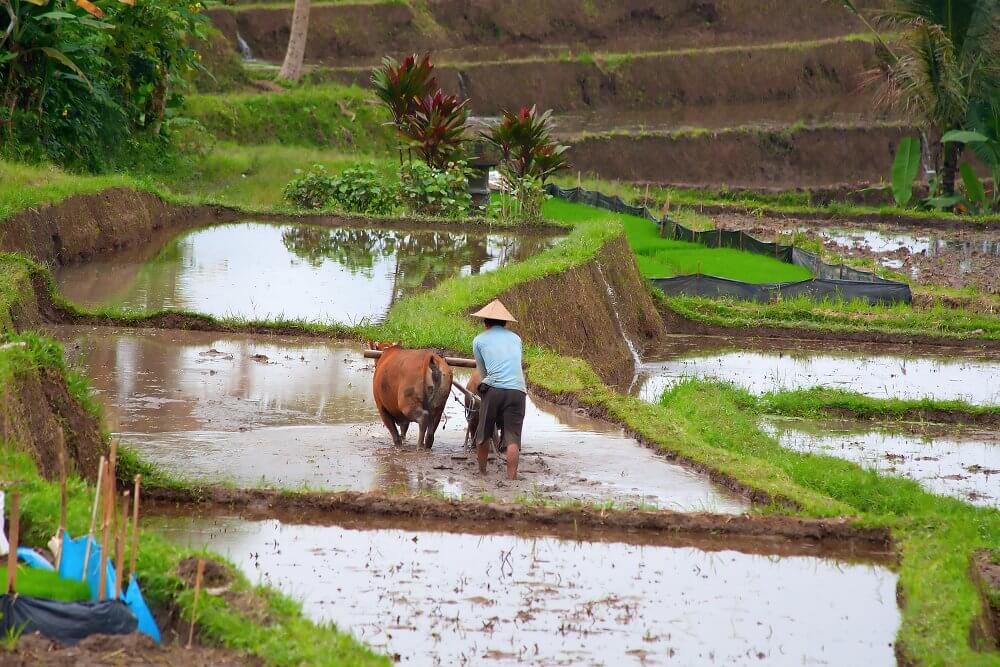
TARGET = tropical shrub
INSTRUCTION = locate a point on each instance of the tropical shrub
(84, 84)
(943, 61)
(428, 121)
(436, 129)
(524, 140)
(400, 85)
(313, 189)
(361, 189)
(528, 156)
(429, 190)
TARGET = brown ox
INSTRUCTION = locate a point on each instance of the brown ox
(411, 386)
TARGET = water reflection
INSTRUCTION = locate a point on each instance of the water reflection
(260, 271)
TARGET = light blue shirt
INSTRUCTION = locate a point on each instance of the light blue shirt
(498, 354)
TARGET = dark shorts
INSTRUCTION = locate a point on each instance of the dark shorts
(501, 409)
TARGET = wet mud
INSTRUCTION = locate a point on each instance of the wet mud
(882, 371)
(927, 255)
(540, 599)
(259, 271)
(961, 463)
(256, 410)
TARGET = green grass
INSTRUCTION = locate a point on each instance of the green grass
(664, 258)
(38, 583)
(837, 316)
(819, 401)
(328, 116)
(24, 186)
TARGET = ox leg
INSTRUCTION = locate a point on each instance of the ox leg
(404, 426)
(390, 424)
(432, 427)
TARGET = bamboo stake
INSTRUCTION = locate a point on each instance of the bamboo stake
(135, 524)
(93, 517)
(15, 527)
(120, 547)
(113, 461)
(197, 591)
(109, 503)
(61, 533)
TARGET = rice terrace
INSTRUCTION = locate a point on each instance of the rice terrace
(474, 332)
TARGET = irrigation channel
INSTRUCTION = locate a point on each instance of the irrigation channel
(245, 270)
(963, 462)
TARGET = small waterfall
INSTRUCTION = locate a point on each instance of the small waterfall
(244, 48)
(636, 357)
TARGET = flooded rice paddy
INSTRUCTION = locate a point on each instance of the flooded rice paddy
(881, 371)
(254, 270)
(432, 594)
(961, 463)
(262, 410)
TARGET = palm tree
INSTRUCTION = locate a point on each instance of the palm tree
(943, 59)
(291, 68)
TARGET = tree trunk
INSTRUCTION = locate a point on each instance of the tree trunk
(291, 68)
(950, 168)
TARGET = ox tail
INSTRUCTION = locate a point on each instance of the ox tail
(437, 391)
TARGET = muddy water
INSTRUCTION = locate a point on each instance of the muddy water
(293, 271)
(543, 600)
(266, 410)
(955, 462)
(881, 371)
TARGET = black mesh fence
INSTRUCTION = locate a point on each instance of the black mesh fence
(832, 281)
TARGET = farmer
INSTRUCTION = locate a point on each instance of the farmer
(503, 391)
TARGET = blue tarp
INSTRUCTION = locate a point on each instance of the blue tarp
(34, 559)
(71, 567)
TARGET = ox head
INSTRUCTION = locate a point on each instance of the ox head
(384, 348)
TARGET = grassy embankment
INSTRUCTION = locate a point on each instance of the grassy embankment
(275, 631)
(818, 402)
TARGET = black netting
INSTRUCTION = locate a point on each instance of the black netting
(830, 282)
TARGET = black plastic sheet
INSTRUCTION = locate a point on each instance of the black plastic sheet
(66, 622)
(831, 281)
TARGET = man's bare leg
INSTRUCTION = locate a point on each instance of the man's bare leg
(482, 453)
(513, 457)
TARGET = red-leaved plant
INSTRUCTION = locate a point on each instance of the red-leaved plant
(524, 140)
(428, 121)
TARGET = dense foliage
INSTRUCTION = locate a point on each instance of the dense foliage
(312, 189)
(435, 191)
(942, 71)
(89, 85)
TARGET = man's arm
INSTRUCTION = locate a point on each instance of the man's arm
(480, 364)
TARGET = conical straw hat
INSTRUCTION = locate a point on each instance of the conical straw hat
(495, 310)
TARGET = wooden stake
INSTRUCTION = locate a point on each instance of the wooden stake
(197, 591)
(61, 533)
(113, 461)
(93, 517)
(120, 547)
(135, 524)
(15, 527)
(109, 503)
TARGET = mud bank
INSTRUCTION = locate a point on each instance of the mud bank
(544, 600)
(362, 33)
(600, 311)
(751, 157)
(835, 534)
(800, 82)
(679, 324)
(85, 226)
(986, 573)
(41, 417)
(111, 651)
